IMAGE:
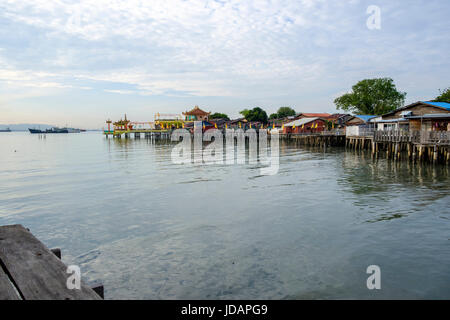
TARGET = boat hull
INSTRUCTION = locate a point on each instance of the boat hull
(72, 130)
(53, 130)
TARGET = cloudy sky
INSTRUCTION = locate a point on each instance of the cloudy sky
(80, 62)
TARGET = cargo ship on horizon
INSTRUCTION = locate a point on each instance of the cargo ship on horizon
(52, 130)
(57, 130)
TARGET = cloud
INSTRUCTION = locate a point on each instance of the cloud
(242, 51)
(120, 91)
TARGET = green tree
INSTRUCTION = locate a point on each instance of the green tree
(444, 96)
(218, 115)
(255, 114)
(284, 112)
(273, 116)
(372, 97)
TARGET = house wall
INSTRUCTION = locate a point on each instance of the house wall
(429, 125)
(415, 125)
(196, 118)
(307, 127)
(383, 126)
(438, 125)
(352, 131)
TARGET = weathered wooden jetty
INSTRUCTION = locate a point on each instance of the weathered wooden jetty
(321, 139)
(160, 129)
(426, 146)
(431, 146)
(30, 271)
(153, 134)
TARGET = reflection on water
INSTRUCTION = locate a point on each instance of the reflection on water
(379, 182)
(151, 229)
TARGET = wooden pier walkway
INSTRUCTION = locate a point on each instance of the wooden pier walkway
(156, 134)
(30, 271)
(428, 146)
(319, 139)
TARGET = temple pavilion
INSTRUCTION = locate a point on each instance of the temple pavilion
(122, 124)
(196, 114)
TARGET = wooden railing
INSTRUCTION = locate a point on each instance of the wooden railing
(424, 137)
(336, 132)
(396, 136)
(322, 133)
(302, 134)
(435, 137)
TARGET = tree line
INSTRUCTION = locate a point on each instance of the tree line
(258, 115)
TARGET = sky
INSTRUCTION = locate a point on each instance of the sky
(79, 63)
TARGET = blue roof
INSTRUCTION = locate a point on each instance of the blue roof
(444, 105)
(364, 118)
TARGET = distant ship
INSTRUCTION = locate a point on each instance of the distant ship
(52, 130)
(5, 130)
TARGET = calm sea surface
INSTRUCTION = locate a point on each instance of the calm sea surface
(150, 229)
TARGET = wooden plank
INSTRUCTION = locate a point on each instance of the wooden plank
(36, 271)
(99, 289)
(7, 291)
(56, 252)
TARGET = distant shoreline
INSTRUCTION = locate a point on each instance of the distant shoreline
(23, 127)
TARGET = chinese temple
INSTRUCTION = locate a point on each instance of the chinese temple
(196, 114)
(122, 124)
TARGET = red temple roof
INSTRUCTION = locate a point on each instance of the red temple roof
(196, 112)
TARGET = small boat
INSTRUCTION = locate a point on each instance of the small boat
(5, 130)
(52, 130)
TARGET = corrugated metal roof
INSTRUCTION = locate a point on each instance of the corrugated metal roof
(431, 115)
(444, 105)
(300, 122)
(311, 115)
(392, 120)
